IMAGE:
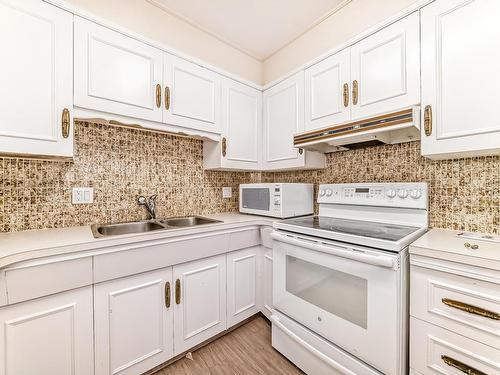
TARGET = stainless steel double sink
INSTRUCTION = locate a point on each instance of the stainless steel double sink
(105, 230)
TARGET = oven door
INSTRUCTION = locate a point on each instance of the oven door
(350, 296)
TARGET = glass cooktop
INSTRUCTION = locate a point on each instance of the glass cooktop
(382, 231)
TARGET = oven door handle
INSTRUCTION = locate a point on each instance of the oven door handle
(375, 260)
(311, 349)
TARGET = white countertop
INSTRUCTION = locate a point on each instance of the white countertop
(447, 245)
(20, 246)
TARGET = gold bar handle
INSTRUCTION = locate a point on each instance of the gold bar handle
(177, 291)
(65, 123)
(428, 120)
(346, 95)
(224, 146)
(167, 98)
(158, 95)
(355, 92)
(167, 294)
(471, 309)
(466, 369)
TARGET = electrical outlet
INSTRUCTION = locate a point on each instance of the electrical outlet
(227, 192)
(83, 195)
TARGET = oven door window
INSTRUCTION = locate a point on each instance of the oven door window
(256, 198)
(339, 293)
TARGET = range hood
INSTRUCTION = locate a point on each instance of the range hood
(389, 128)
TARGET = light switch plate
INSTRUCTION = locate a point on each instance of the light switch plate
(227, 192)
(83, 195)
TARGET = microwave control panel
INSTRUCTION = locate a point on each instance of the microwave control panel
(276, 200)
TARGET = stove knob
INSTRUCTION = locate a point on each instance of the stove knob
(391, 193)
(322, 192)
(329, 192)
(415, 194)
(403, 193)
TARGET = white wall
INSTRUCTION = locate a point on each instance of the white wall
(349, 21)
(146, 19)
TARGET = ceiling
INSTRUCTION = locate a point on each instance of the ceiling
(257, 27)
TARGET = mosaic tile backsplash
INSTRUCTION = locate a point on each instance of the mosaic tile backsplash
(121, 164)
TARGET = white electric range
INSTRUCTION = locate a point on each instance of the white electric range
(340, 279)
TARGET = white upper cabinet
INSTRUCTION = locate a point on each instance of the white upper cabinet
(200, 301)
(192, 95)
(385, 69)
(133, 323)
(48, 336)
(241, 143)
(116, 74)
(327, 92)
(460, 79)
(36, 70)
(284, 117)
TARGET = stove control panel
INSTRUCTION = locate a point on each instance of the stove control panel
(411, 195)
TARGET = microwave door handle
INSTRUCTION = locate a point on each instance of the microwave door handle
(334, 365)
(375, 260)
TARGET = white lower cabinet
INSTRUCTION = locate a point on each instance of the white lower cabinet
(242, 284)
(48, 336)
(133, 323)
(267, 281)
(200, 301)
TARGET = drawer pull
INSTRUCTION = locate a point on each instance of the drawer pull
(461, 366)
(471, 309)
(167, 294)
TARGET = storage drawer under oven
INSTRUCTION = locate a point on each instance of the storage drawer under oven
(460, 304)
(437, 351)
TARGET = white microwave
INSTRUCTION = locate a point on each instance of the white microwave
(277, 200)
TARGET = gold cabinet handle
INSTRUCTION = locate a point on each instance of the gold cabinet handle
(346, 95)
(428, 120)
(158, 96)
(301, 151)
(167, 98)
(471, 309)
(167, 294)
(177, 291)
(224, 146)
(355, 92)
(471, 246)
(65, 123)
(461, 366)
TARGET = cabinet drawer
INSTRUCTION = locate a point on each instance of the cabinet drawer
(468, 306)
(434, 350)
(30, 280)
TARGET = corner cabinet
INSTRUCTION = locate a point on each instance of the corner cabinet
(241, 119)
(133, 323)
(284, 117)
(191, 95)
(115, 73)
(49, 335)
(35, 74)
(460, 53)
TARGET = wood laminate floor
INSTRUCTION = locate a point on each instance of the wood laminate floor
(245, 351)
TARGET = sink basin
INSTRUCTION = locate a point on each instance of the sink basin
(104, 230)
(188, 221)
(125, 228)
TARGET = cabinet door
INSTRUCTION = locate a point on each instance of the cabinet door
(133, 323)
(48, 336)
(35, 74)
(267, 282)
(200, 301)
(115, 73)
(386, 68)
(327, 92)
(460, 55)
(242, 288)
(283, 117)
(241, 125)
(192, 95)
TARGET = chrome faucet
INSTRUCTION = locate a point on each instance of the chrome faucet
(149, 204)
